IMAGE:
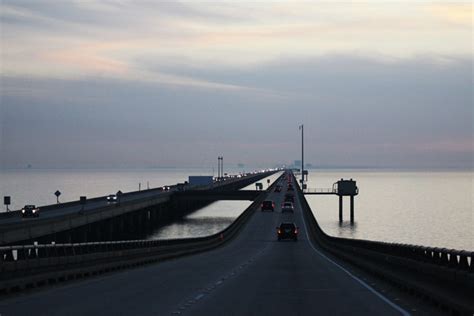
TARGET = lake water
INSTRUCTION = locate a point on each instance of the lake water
(427, 208)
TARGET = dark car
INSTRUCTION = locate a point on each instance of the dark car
(278, 188)
(290, 187)
(267, 206)
(30, 211)
(287, 231)
(289, 198)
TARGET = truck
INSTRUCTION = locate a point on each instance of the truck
(200, 180)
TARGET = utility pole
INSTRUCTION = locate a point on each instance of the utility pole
(302, 155)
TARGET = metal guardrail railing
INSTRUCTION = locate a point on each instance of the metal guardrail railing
(320, 190)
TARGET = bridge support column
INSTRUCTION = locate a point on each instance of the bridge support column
(340, 208)
(352, 209)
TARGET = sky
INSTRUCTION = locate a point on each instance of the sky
(112, 84)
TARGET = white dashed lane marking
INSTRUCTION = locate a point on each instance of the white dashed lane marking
(207, 290)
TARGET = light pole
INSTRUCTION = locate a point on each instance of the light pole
(220, 167)
(302, 155)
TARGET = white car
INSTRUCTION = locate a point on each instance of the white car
(287, 207)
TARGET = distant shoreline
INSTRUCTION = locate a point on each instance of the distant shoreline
(248, 169)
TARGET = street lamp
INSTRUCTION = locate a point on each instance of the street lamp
(302, 154)
(220, 167)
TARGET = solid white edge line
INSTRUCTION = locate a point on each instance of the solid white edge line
(382, 297)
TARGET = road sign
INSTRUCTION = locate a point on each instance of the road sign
(6, 201)
(57, 193)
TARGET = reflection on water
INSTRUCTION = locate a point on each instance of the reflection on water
(193, 227)
(345, 229)
(203, 222)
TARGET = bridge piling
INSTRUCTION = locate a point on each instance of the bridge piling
(340, 208)
(352, 210)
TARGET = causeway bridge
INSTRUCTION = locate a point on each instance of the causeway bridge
(242, 270)
(97, 220)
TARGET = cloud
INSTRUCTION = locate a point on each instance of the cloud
(147, 82)
(356, 111)
(70, 39)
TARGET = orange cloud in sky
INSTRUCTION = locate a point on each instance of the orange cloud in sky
(454, 13)
(90, 58)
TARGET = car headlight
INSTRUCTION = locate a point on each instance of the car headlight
(34, 211)
(23, 211)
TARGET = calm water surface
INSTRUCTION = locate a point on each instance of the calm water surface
(427, 208)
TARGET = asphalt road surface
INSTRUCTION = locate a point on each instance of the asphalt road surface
(253, 275)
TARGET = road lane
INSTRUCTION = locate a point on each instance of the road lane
(292, 278)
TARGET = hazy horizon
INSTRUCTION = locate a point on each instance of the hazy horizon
(94, 84)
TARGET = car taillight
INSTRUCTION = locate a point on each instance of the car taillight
(296, 231)
(279, 231)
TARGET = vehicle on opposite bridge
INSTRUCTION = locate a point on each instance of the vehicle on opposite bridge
(287, 231)
(30, 211)
(112, 198)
